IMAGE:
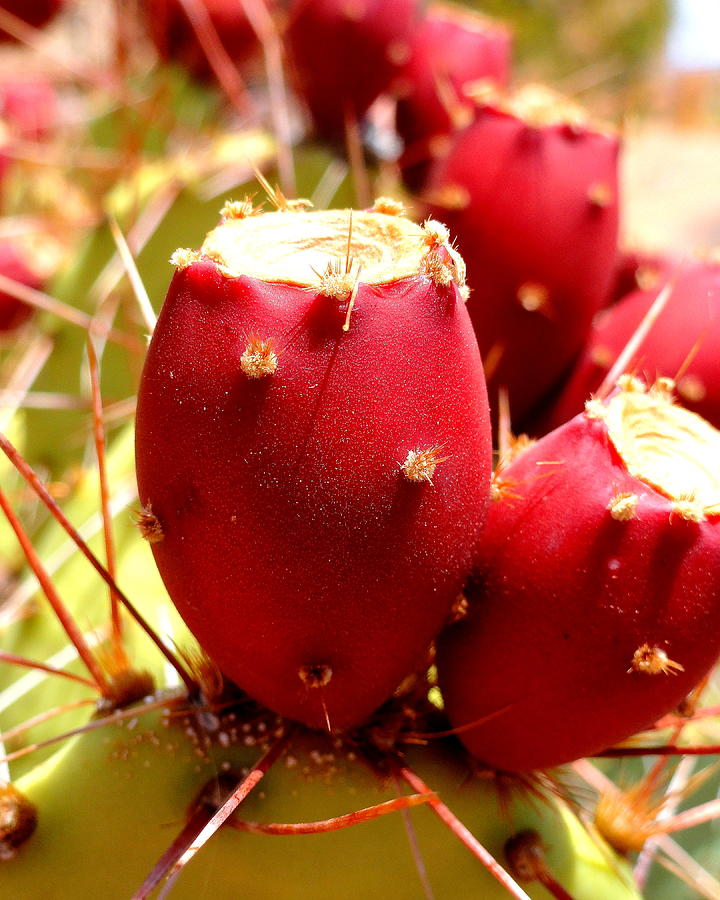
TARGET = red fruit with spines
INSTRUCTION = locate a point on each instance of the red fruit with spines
(530, 191)
(16, 262)
(345, 53)
(313, 444)
(34, 12)
(453, 49)
(595, 607)
(175, 39)
(682, 343)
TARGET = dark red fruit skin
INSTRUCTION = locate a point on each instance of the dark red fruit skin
(689, 324)
(527, 218)
(564, 595)
(345, 53)
(35, 12)
(291, 537)
(13, 265)
(451, 47)
(176, 41)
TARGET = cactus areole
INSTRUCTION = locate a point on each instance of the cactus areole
(597, 606)
(313, 448)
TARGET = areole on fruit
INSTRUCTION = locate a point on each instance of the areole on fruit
(313, 440)
(596, 606)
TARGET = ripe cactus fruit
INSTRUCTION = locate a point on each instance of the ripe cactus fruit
(453, 50)
(28, 107)
(313, 439)
(639, 270)
(596, 606)
(35, 12)
(345, 54)
(16, 262)
(175, 38)
(537, 224)
(682, 342)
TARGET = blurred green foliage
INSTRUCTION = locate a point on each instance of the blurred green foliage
(614, 39)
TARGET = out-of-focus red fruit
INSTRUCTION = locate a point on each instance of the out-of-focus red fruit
(313, 452)
(596, 605)
(16, 263)
(176, 40)
(530, 191)
(683, 343)
(345, 53)
(638, 270)
(35, 12)
(453, 52)
(28, 107)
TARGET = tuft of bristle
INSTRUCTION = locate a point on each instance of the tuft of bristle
(183, 257)
(259, 359)
(623, 507)
(420, 465)
(239, 209)
(336, 281)
(149, 525)
(654, 661)
(388, 206)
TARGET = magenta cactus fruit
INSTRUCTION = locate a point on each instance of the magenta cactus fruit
(639, 270)
(596, 606)
(682, 343)
(345, 54)
(536, 222)
(175, 38)
(454, 51)
(28, 107)
(34, 12)
(16, 262)
(313, 447)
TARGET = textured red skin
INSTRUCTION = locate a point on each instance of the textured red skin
(564, 596)
(692, 313)
(291, 536)
(175, 38)
(345, 53)
(445, 49)
(35, 12)
(13, 265)
(529, 220)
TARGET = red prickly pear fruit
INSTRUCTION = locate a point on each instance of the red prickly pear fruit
(454, 51)
(682, 343)
(639, 270)
(16, 262)
(28, 107)
(537, 225)
(35, 12)
(313, 439)
(596, 605)
(345, 53)
(175, 39)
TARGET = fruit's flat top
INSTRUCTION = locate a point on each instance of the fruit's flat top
(666, 446)
(298, 247)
